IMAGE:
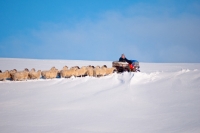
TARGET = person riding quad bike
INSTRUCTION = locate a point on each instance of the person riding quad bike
(124, 59)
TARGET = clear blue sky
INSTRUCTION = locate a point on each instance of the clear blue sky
(148, 30)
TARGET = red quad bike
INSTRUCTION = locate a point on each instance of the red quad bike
(131, 66)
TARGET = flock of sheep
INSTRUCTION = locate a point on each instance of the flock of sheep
(75, 71)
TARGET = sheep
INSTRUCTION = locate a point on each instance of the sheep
(32, 70)
(12, 72)
(22, 75)
(69, 73)
(35, 75)
(76, 67)
(26, 69)
(100, 71)
(90, 71)
(103, 70)
(51, 73)
(43, 73)
(5, 75)
(61, 72)
(54, 73)
(81, 72)
(110, 70)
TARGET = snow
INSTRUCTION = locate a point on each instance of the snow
(163, 97)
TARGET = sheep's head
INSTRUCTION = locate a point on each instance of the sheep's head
(104, 66)
(114, 69)
(74, 67)
(90, 67)
(0, 71)
(26, 69)
(97, 67)
(33, 70)
(13, 71)
(65, 68)
(53, 68)
(6, 71)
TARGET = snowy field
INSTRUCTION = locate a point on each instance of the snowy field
(162, 98)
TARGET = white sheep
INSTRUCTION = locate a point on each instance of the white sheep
(22, 75)
(5, 75)
(90, 71)
(12, 72)
(32, 70)
(35, 75)
(69, 73)
(100, 71)
(63, 71)
(51, 74)
(65, 68)
(43, 73)
(110, 70)
(81, 72)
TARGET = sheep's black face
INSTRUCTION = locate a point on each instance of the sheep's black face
(115, 70)
(26, 69)
(0, 71)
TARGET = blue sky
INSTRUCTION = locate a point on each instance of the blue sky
(148, 30)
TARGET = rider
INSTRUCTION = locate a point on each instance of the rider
(123, 59)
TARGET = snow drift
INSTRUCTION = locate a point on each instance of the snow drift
(163, 97)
